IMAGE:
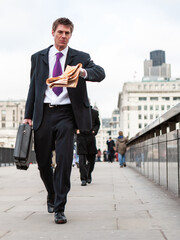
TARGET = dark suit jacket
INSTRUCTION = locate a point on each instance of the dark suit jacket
(78, 95)
(86, 141)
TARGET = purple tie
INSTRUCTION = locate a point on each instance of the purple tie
(57, 71)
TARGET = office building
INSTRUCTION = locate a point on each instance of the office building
(11, 115)
(156, 68)
(140, 103)
(157, 57)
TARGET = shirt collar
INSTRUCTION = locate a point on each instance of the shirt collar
(54, 51)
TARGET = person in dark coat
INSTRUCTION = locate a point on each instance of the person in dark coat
(86, 149)
(57, 112)
(111, 149)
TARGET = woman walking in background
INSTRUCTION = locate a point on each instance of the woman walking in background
(121, 149)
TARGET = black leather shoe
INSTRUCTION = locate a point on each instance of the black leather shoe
(89, 181)
(60, 218)
(83, 183)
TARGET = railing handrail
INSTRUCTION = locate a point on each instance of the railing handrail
(172, 115)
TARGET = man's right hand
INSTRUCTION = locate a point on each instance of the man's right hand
(27, 121)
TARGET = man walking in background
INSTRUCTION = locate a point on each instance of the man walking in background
(86, 149)
(110, 146)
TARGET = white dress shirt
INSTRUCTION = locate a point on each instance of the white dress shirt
(50, 96)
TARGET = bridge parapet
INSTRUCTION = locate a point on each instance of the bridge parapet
(155, 151)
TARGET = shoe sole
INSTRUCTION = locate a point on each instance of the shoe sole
(60, 221)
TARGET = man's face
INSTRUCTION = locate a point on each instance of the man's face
(61, 36)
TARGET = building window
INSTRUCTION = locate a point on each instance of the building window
(139, 107)
(145, 107)
(142, 98)
(145, 124)
(157, 107)
(145, 116)
(151, 116)
(13, 112)
(3, 111)
(140, 125)
(176, 98)
(157, 115)
(162, 107)
(168, 107)
(139, 116)
(151, 107)
(3, 125)
(165, 98)
(3, 118)
(114, 119)
(154, 98)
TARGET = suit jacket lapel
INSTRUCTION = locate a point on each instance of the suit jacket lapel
(45, 55)
(70, 57)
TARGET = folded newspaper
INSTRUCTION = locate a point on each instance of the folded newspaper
(68, 79)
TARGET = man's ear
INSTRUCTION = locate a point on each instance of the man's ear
(53, 33)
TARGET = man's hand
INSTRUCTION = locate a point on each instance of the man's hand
(77, 131)
(27, 121)
(83, 73)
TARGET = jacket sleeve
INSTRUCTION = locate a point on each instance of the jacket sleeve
(95, 73)
(31, 94)
(97, 123)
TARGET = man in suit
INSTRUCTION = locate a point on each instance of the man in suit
(57, 112)
(86, 149)
(111, 149)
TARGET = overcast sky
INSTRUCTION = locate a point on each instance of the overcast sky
(118, 34)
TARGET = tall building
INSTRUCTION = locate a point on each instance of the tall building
(157, 57)
(156, 68)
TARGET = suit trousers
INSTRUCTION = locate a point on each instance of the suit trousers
(56, 132)
(86, 165)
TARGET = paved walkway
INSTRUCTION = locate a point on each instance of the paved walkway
(119, 204)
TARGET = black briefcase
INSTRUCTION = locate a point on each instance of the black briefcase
(23, 147)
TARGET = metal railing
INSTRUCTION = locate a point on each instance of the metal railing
(7, 159)
(155, 151)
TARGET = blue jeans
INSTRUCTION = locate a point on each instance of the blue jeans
(121, 159)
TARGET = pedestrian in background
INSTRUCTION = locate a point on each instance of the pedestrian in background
(104, 155)
(121, 149)
(111, 149)
(99, 155)
(86, 149)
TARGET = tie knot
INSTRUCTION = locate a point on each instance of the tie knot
(59, 55)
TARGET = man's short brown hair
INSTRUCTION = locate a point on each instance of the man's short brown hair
(63, 21)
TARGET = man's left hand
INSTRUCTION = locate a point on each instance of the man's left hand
(83, 73)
